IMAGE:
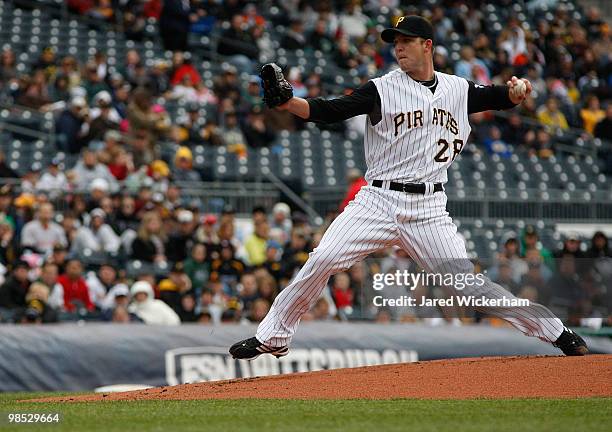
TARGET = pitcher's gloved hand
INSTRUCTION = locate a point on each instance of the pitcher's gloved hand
(277, 89)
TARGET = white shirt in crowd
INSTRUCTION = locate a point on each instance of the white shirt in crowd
(43, 239)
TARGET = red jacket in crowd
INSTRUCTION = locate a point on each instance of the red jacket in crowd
(344, 298)
(354, 188)
(75, 290)
(182, 71)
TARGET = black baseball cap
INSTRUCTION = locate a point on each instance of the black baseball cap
(411, 25)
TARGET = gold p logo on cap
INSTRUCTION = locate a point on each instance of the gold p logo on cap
(399, 20)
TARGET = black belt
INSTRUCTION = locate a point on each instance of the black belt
(413, 188)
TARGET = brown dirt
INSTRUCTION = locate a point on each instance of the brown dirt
(492, 377)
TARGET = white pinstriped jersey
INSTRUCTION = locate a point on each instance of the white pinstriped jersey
(420, 132)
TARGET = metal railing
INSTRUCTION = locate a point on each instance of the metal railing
(209, 197)
(486, 204)
(583, 144)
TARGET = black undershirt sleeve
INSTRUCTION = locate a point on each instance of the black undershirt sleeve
(364, 100)
(484, 98)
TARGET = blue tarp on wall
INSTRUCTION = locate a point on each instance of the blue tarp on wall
(84, 357)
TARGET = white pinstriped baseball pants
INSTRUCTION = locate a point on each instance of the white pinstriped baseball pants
(379, 218)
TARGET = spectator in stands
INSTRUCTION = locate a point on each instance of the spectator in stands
(174, 286)
(355, 181)
(207, 234)
(197, 268)
(59, 255)
(49, 273)
(531, 241)
(295, 253)
(158, 79)
(8, 243)
(472, 68)
(126, 218)
(252, 97)
(149, 245)
(59, 91)
(121, 97)
(69, 126)
(227, 85)
(247, 290)
(538, 274)
(187, 312)
(273, 264)
(352, 22)
(183, 166)
(37, 305)
(319, 38)
(599, 246)
(118, 294)
(147, 308)
(496, 145)
(104, 117)
(174, 22)
(36, 94)
(256, 243)
(233, 137)
(182, 67)
(321, 311)
(227, 269)
(443, 25)
(47, 63)
(603, 129)
(565, 283)
(8, 69)
(143, 115)
(74, 288)
(237, 41)
(294, 38)
(514, 131)
(510, 255)
(256, 131)
(14, 289)
(100, 284)
(97, 237)
(259, 310)
(53, 180)
(591, 114)
(571, 246)
(550, 116)
(345, 56)
(342, 293)
(93, 83)
(43, 234)
(88, 169)
(506, 278)
(281, 225)
(69, 69)
(181, 241)
(541, 145)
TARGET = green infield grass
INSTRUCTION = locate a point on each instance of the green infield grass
(299, 415)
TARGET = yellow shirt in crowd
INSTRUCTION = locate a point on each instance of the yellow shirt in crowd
(590, 118)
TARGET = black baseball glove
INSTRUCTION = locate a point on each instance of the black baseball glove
(277, 89)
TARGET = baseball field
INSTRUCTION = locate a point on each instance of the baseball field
(519, 393)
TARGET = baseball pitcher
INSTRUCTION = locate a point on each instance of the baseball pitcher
(417, 124)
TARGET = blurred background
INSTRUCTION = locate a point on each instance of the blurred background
(144, 181)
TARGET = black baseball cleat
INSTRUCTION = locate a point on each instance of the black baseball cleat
(250, 349)
(571, 344)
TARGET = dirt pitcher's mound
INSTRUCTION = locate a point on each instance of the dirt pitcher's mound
(493, 377)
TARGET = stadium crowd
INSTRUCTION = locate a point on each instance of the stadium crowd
(166, 262)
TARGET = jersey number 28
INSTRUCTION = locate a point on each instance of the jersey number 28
(442, 155)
